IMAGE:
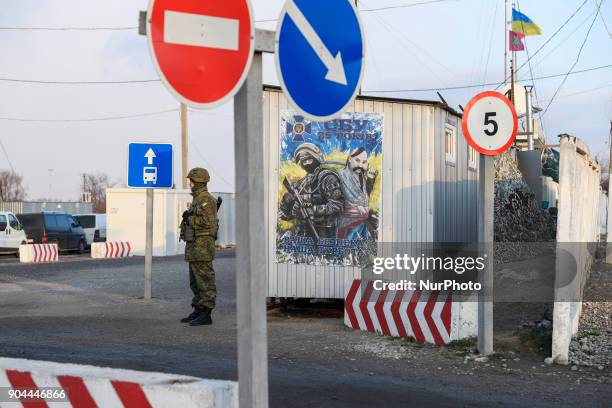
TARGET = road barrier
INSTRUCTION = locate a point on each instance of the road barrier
(111, 249)
(37, 253)
(79, 386)
(427, 316)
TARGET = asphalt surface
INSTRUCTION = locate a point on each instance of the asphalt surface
(92, 312)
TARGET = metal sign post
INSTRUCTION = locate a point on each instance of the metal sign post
(149, 245)
(485, 238)
(251, 276)
(489, 125)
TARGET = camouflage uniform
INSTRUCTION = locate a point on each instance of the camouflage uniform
(199, 230)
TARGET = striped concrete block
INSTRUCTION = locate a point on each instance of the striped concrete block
(37, 253)
(430, 317)
(89, 386)
(111, 249)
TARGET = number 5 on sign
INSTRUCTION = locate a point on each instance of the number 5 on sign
(490, 123)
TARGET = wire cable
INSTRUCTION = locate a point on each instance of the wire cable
(137, 115)
(50, 82)
(586, 37)
(210, 167)
(399, 6)
(535, 88)
(69, 28)
(451, 88)
(7, 156)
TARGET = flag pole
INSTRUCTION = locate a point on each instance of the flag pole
(506, 35)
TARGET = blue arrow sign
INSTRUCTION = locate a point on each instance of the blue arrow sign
(150, 165)
(320, 55)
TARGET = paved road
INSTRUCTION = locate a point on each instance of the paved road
(92, 312)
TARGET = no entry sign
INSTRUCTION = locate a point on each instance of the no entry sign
(490, 123)
(201, 49)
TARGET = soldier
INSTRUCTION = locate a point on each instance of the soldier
(320, 195)
(199, 230)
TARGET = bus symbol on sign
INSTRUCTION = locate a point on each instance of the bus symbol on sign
(149, 175)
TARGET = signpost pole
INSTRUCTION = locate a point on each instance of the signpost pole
(148, 245)
(251, 279)
(485, 237)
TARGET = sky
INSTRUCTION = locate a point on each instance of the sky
(436, 45)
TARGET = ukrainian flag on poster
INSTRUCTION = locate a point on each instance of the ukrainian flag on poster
(523, 24)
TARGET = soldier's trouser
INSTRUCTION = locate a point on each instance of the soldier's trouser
(202, 283)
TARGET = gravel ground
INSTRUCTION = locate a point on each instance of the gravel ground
(592, 346)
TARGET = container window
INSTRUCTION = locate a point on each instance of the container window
(450, 144)
(472, 158)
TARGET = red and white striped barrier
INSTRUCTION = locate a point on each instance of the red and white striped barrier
(88, 386)
(36, 253)
(111, 249)
(430, 317)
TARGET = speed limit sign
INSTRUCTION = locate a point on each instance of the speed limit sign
(490, 123)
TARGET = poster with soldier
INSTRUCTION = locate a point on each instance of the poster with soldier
(329, 189)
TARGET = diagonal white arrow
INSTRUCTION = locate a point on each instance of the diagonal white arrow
(334, 65)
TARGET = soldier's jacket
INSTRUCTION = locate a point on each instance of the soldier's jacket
(203, 223)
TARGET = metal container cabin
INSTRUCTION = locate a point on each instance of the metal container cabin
(429, 187)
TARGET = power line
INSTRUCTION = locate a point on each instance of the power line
(137, 115)
(580, 92)
(70, 28)
(399, 6)
(422, 3)
(603, 20)
(586, 37)
(489, 84)
(7, 156)
(211, 168)
(532, 80)
(37, 81)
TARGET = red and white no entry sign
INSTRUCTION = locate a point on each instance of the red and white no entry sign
(490, 123)
(202, 49)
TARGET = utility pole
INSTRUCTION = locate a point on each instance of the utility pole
(529, 117)
(184, 147)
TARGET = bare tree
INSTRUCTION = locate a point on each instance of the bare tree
(96, 185)
(11, 186)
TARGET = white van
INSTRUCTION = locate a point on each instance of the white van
(11, 233)
(94, 226)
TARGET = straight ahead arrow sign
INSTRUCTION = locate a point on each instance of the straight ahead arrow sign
(334, 65)
(150, 155)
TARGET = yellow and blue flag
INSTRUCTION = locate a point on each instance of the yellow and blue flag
(523, 24)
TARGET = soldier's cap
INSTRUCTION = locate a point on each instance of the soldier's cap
(307, 149)
(198, 175)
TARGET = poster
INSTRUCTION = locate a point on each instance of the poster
(329, 189)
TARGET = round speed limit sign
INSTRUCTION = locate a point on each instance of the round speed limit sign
(490, 123)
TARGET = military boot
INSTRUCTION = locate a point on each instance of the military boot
(191, 316)
(203, 318)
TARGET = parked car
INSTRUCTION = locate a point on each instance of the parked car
(11, 233)
(94, 226)
(54, 227)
